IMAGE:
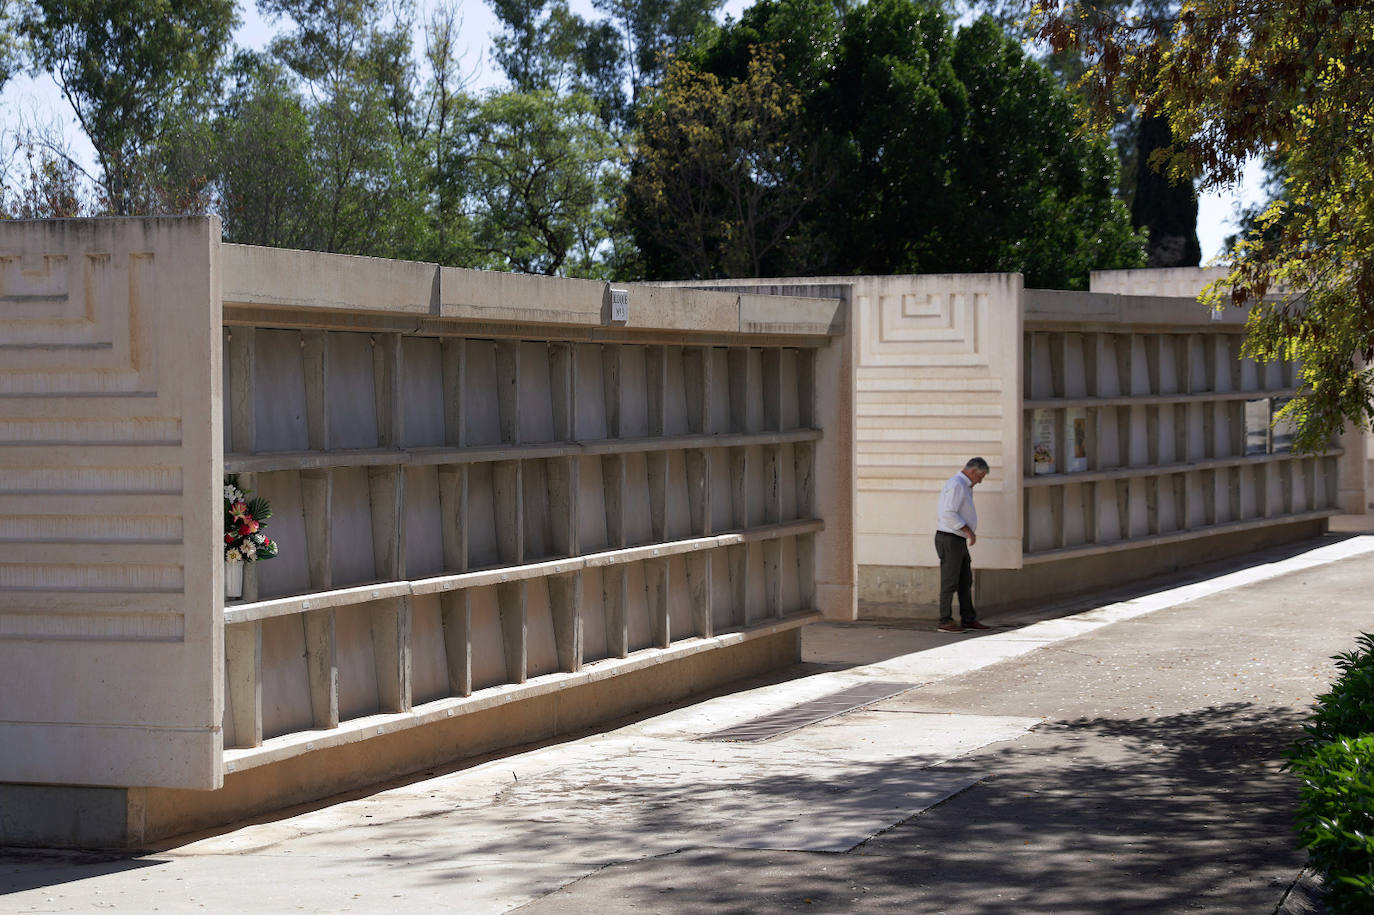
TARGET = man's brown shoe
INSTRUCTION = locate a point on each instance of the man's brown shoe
(975, 625)
(951, 627)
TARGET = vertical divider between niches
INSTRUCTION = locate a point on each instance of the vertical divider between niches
(455, 606)
(508, 390)
(563, 390)
(771, 365)
(772, 578)
(615, 590)
(657, 586)
(565, 604)
(512, 599)
(656, 463)
(612, 371)
(1092, 358)
(456, 618)
(386, 379)
(315, 368)
(453, 365)
(391, 643)
(699, 592)
(737, 361)
(806, 387)
(696, 373)
(322, 666)
(243, 425)
(243, 658)
(1091, 527)
(737, 560)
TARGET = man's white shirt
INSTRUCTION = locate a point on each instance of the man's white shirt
(956, 506)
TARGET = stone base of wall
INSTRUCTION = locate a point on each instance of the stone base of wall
(905, 592)
(63, 816)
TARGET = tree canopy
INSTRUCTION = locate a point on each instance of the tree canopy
(918, 150)
(1287, 79)
(126, 66)
(630, 139)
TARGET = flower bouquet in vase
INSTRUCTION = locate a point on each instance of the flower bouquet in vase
(244, 539)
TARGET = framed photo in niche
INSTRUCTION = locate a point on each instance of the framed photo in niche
(1043, 445)
(1075, 440)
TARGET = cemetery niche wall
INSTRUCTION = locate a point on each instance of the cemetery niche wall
(1126, 435)
(505, 509)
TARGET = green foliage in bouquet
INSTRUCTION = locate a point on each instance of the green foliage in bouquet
(244, 519)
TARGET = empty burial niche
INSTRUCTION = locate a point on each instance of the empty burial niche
(812, 712)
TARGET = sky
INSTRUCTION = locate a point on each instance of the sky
(29, 101)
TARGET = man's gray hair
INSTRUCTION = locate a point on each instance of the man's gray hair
(976, 464)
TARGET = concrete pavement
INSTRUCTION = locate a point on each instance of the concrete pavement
(1116, 754)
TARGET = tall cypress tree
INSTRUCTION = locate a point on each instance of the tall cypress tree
(1164, 205)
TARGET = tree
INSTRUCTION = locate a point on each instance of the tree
(915, 150)
(544, 45)
(722, 181)
(354, 60)
(1030, 195)
(1164, 206)
(268, 193)
(539, 171)
(124, 65)
(1283, 78)
(446, 107)
(652, 31)
(12, 50)
(42, 182)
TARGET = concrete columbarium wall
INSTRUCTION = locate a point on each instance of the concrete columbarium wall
(1171, 458)
(493, 504)
(946, 367)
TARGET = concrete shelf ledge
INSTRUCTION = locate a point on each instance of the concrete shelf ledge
(255, 611)
(1155, 470)
(288, 746)
(1095, 549)
(387, 457)
(1059, 403)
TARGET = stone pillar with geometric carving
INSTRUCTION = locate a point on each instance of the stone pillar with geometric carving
(938, 380)
(110, 468)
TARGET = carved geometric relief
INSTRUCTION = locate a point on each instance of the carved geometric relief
(85, 516)
(931, 329)
(74, 325)
(34, 288)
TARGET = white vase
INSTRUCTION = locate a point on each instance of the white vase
(233, 579)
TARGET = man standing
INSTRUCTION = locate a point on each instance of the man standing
(956, 531)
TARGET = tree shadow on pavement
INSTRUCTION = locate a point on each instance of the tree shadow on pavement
(27, 869)
(1153, 814)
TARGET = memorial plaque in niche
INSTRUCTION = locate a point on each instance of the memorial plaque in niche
(1043, 441)
(1257, 426)
(1075, 440)
(1282, 428)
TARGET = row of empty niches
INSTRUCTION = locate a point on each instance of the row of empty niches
(286, 702)
(497, 525)
(1143, 435)
(326, 390)
(1108, 511)
(1128, 365)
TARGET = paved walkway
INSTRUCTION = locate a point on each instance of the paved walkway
(1122, 756)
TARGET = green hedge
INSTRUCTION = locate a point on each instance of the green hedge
(1334, 759)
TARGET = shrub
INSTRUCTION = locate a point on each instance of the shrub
(1334, 759)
